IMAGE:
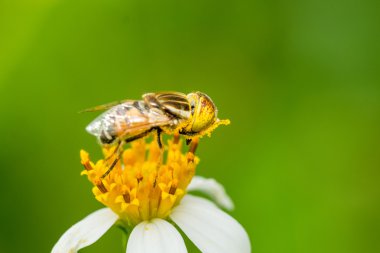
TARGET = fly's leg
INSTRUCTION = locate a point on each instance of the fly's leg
(159, 141)
(111, 167)
(139, 136)
(118, 149)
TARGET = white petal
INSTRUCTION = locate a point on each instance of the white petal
(209, 228)
(155, 236)
(213, 189)
(86, 231)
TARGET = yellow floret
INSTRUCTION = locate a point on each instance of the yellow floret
(143, 185)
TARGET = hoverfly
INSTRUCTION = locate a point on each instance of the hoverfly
(193, 115)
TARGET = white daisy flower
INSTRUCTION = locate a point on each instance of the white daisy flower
(147, 195)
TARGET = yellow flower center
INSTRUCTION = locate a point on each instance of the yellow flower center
(142, 185)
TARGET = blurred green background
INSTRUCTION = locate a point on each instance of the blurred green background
(299, 80)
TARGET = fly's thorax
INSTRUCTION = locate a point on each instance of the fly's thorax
(174, 103)
(203, 113)
(151, 100)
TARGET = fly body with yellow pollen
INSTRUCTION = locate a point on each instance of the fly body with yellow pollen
(146, 191)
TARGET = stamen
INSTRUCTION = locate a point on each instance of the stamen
(176, 138)
(101, 186)
(192, 149)
(87, 166)
(127, 198)
(194, 145)
(139, 177)
(173, 187)
(172, 190)
(85, 160)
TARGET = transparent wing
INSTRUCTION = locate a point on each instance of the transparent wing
(127, 119)
(104, 106)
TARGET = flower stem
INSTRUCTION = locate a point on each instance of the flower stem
(125, 233)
